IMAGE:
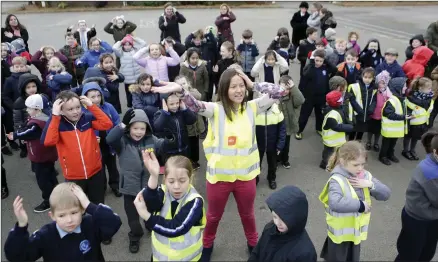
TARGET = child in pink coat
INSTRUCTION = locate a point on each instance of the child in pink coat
(156, 62)
(375, 122)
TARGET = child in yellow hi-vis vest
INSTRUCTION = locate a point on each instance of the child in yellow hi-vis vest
(174, 211)
(420, 104)
(347, 202)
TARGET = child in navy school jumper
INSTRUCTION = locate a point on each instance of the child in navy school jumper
(42, 158)
(58, 79)
(350, 69)
(171, 122)
(248, 51)
(390, 64)
(371, 56)
(71, 236)
(113, 79)
(93, 91)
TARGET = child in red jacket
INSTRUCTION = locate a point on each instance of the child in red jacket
(415, 67)
(73, 134)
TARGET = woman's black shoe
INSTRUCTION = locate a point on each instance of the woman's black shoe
(134, 246)
(414, 155)
(272, 184)
(116, 192)
(6, 151)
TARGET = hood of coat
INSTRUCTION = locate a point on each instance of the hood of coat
(140, 116)
(93, 86)
(93, 74)
(375, 40)
(24, 80)
(422, 55)
(396, 85)
(419, 37)
(290, 204)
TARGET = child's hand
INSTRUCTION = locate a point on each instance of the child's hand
(367, 207)
(128, 116)
(182, 106)
(165, 108)
(151, 163)
(85, 101)
(93, 26)
(8, 34)
(165, 23)
(114, 21)
(10, 136)
(19, 212)
(57, 105)
(113, 77)
(360, 183)
(83, 199)
(71, 27)
(278, 152)
(276, 38)
(349, 45)
(63, 73)
(168, 88)
(216, 68)
(98, 139)
(226, 18)
(410, 117)
(290, 83)
(141, 207)
(50, 77)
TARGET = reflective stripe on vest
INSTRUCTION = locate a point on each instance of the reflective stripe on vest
(392, 128)
(271, 117)
(421, 115)
(231, 147)
(183, 248)
(345, 227)
(330, 137)
(357, 93)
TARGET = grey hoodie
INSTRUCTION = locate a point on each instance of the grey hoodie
(339, 203)
(133, 174)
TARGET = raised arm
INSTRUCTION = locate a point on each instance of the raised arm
(173, 60)
(109, 28)
(138, 56)
(117, 48)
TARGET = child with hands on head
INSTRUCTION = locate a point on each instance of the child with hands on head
(347, 200)
(73, 134)
(83, 34)
(129, 139)
(125, 51)
(92, 55)
(72, 50)
(174, 210)
(119, 28)
(77, 222)
(270, 68)
(156, 62)
(58, 79)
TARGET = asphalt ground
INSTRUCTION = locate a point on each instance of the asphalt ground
(393, 26)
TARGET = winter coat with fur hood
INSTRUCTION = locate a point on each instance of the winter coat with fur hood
(197, 76)
(149, 102)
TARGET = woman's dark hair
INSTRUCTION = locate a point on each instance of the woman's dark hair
(271, 53)
(143, 77)
(191, 51)
(430, 141)
(8, 27)
(282, 31)
(222, 94)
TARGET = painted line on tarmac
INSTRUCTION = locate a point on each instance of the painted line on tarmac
(379, 29)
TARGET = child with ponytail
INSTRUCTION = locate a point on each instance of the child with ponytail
(419, 104)
(347, 201)
(418, 237)
(229, 56)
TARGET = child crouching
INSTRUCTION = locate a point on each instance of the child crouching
(334, 127)
(174, 211)
(42, 158)
(55, 241)
(129, 139)
(347, 201)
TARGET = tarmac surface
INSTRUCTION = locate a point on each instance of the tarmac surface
(393, 26)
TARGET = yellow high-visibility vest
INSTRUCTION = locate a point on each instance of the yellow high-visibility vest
(346, 227)
(271, 117)
(421, 115)
(394, 128)
(231, 146)
(358, 95)
(183, 248)
(330, 137)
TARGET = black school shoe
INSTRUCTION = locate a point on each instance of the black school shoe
(385, 161)
(368, 146)
(43, 207)
(116, 192)
(23, 153)
(414, 155)
(6, 151)
(107, 242)
(272, 184)
(407, 155)
(394, 159)
(134, 246)
(376, 148)
(14, 145)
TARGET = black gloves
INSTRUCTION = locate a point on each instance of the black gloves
(128, 116)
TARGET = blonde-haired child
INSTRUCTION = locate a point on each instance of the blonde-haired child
(54, 240)
(347, 201)
(338, 55)
(156, 63)
(420, 104)
(174, 210)
(58, 79)
(197, 129)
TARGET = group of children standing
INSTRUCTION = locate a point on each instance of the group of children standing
(351, 90)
